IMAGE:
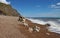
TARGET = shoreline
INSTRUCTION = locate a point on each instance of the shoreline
(11, 28)
(44, 33)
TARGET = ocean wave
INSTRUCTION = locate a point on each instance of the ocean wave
(55, 27)
(37, 21)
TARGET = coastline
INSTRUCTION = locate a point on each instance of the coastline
(44, 33)
(11, 28)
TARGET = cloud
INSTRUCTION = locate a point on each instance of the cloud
(58, 3)
(4, 1)
(56, 6)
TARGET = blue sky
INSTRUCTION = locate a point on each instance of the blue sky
(37, 8)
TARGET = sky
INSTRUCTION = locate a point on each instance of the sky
(36, 8)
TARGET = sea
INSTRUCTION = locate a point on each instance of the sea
(53, 21)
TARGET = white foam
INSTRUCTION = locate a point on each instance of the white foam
(55, 27)
(37, 21)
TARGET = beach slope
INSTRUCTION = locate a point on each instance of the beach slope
(10, 27)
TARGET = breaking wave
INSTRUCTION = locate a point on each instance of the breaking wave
(55, 25)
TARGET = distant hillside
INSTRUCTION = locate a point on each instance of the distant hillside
(8, 10)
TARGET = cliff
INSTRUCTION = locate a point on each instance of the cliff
(8, 10)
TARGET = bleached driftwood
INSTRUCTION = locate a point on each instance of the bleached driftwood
(48, 33)
(37, 29)
(24, 22)
(30, 29)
